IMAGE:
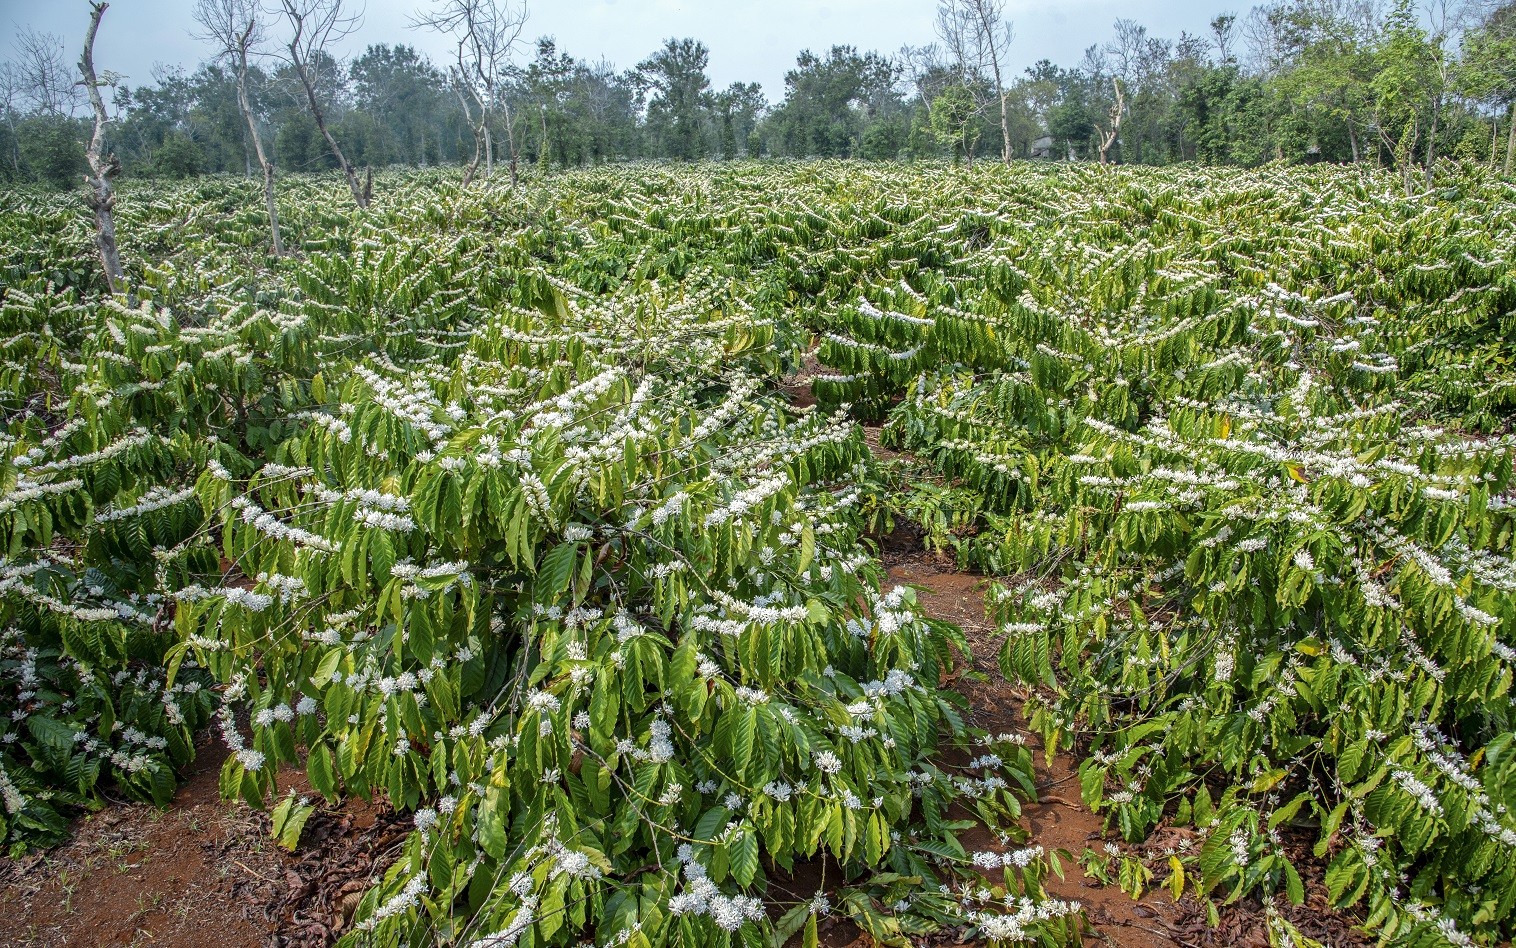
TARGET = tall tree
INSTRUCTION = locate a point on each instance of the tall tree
(606, 102)
(486, 34)
(103, 166)
(1488, 70)
(158, 126)
(1224, 33)
(216, 125)
(1331, 66)
(978, 37)
(403, 94)
(955, 120)
(547, 85)
(236, 28)
(1107, 136)
(679, 105)
(738, 108)
(1408, 93)
(831, 101)
(315, 26)
(46, 76)
(1068, 99)
(12, 89)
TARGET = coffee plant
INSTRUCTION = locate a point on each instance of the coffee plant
(486, 502)
(492, 503)
(1243, 445)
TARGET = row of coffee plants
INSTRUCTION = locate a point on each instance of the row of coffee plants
(1242, 442)
(485, 502)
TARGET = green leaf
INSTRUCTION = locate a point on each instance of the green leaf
(743, 856)
(1293, 886)
(555, 573)
(318, 767)
(289, 819)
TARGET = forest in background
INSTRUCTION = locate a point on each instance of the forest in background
(1301, 81)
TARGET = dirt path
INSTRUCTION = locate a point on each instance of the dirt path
(203, 872)
(1059, 820)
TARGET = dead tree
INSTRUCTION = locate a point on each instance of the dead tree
(11, 91)
(479, 125)
(234, 26)
(314, 26)
(38, 78)
(1108, 136)
(978, 36)
(44, 75)
(104, 167)
(997, 33)
(1510, 141)
(486, 33)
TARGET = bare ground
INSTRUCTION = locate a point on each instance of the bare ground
(203, 872)
(1058, 820)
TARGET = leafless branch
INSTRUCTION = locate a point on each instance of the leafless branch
(104, 167)
(978, 37)
(315, 26)
(48, 82)
(236, 29)
(486, 34)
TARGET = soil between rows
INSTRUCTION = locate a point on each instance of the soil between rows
(204, 872)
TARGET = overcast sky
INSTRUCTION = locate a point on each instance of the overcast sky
(750, 41)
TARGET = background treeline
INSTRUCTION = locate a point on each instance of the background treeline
(1329, 80)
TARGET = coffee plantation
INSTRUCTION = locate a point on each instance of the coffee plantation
(492, 502)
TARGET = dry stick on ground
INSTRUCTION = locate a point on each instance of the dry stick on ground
(234, 26)
(102, 198)
(316, 24)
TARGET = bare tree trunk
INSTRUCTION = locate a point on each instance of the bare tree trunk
(1108, 136)
(1432, 139)
(1510, 141)
(486, 32)
(1005, 123)
(542, 157)
(1404, 154)
(480, 129)
(102, 198)
(510, 140)
(991, 43)
(320, 116)
(1353, 140)
(988, 30)
(327, 26)
(252, 130)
